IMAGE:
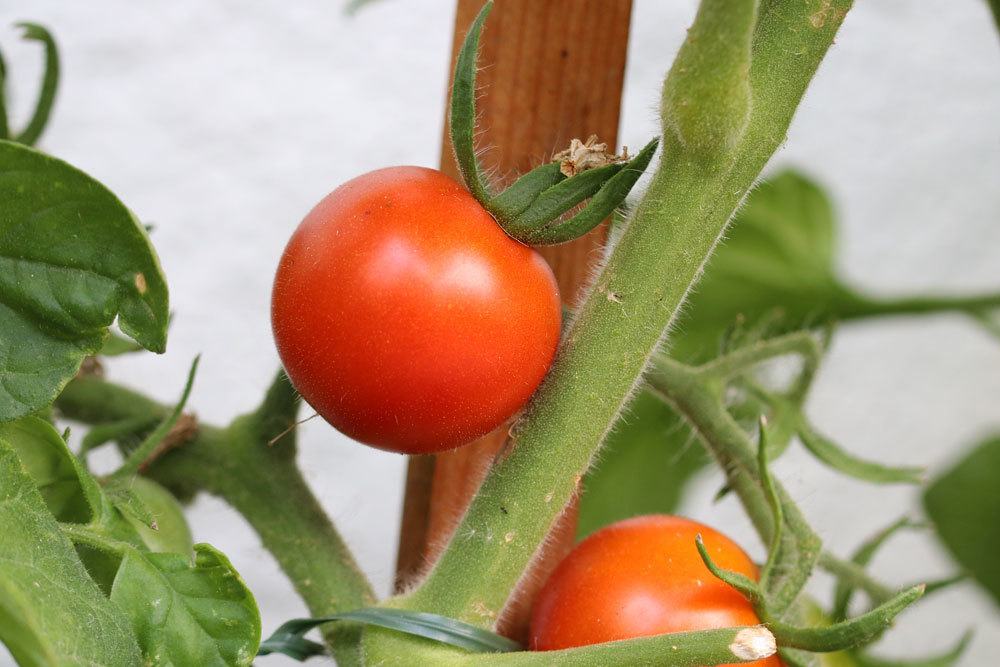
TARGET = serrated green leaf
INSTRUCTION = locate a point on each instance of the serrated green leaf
(964, 504)
(51, 612)
(188, 614)
(72, 258)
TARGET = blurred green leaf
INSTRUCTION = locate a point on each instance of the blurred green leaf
(777, 262)
(116, 345)
(643, 467)
(186, 613)
(964, 504)
(51, 613)
(72, 257)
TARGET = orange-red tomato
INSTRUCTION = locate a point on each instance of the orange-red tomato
(407, 318)
(641, 577)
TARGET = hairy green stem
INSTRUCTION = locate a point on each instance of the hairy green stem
(700, 404)
(257, 479)
(682, 649)
(850, 633)
(624, 318)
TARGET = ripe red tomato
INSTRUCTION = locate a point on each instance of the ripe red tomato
(641, 577)
(407, 318)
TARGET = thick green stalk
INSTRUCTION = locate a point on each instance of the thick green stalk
(622, 322)
(258, 479)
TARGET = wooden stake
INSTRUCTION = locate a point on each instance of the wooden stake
(550, 71)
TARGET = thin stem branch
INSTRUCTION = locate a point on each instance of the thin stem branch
(701, 406)
(859, 307)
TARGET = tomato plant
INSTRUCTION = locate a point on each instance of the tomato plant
(641, 577)
(413, 312)
(406, 316)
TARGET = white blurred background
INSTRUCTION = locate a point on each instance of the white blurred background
(223, 122)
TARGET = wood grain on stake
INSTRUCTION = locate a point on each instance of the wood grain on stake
(549, 71)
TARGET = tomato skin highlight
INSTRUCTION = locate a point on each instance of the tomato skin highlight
(407, 318)
(640, 577)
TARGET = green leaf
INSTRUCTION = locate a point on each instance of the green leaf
(51, 612)
(462, 115)
(643, 468)
(188, 614)
(171, 532)
(289, 637)
(72, 494)
(52, 467)
(964, 504)
(72, 257)
(116, 345)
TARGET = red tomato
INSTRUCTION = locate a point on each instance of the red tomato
(641, 577)
(407, 318)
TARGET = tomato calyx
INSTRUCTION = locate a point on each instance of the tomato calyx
(845, 634)
(531, 210)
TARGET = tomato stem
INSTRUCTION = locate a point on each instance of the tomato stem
(623, 320)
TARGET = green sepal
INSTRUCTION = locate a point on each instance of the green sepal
(558, 199)
(516, 199)
(602, 204)
(744, 584)
(462, 118)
